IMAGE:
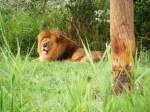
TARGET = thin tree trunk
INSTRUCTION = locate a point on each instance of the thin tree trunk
(122, 41)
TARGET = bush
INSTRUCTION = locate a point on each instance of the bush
(24, 22)
(90, 18)
(24, 26)
(142, 22)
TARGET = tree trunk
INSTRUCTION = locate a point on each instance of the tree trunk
(122, 41)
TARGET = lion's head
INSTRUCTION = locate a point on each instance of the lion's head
(54, 45)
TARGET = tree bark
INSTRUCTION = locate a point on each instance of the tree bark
(122, 41)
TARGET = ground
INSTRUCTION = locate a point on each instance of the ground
(32, 86)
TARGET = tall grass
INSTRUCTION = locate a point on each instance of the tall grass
(30, 86)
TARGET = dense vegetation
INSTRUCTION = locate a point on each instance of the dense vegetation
(22, 20)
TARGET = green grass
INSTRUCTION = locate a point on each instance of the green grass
(31, 86)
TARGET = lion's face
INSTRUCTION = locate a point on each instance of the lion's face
(46, 41)
(45, 46)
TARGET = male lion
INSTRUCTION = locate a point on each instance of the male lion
(55, 45)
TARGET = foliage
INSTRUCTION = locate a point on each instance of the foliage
(89, 18)
(142, 23)
(21, 21)
(24, 25)
(21, 28)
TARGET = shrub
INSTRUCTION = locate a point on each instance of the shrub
(142, 23)
(24, 26)
(90, 18)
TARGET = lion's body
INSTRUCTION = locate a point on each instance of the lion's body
(55, 45)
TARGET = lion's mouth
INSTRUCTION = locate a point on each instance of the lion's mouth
(45, 50)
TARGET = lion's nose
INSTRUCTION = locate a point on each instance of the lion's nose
(45, 45)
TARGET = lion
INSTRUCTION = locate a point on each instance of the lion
(80, 55)
(55, 45)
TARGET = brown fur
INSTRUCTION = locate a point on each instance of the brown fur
(55, 45)
(80, 55)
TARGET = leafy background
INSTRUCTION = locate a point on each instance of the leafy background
(22, 20)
